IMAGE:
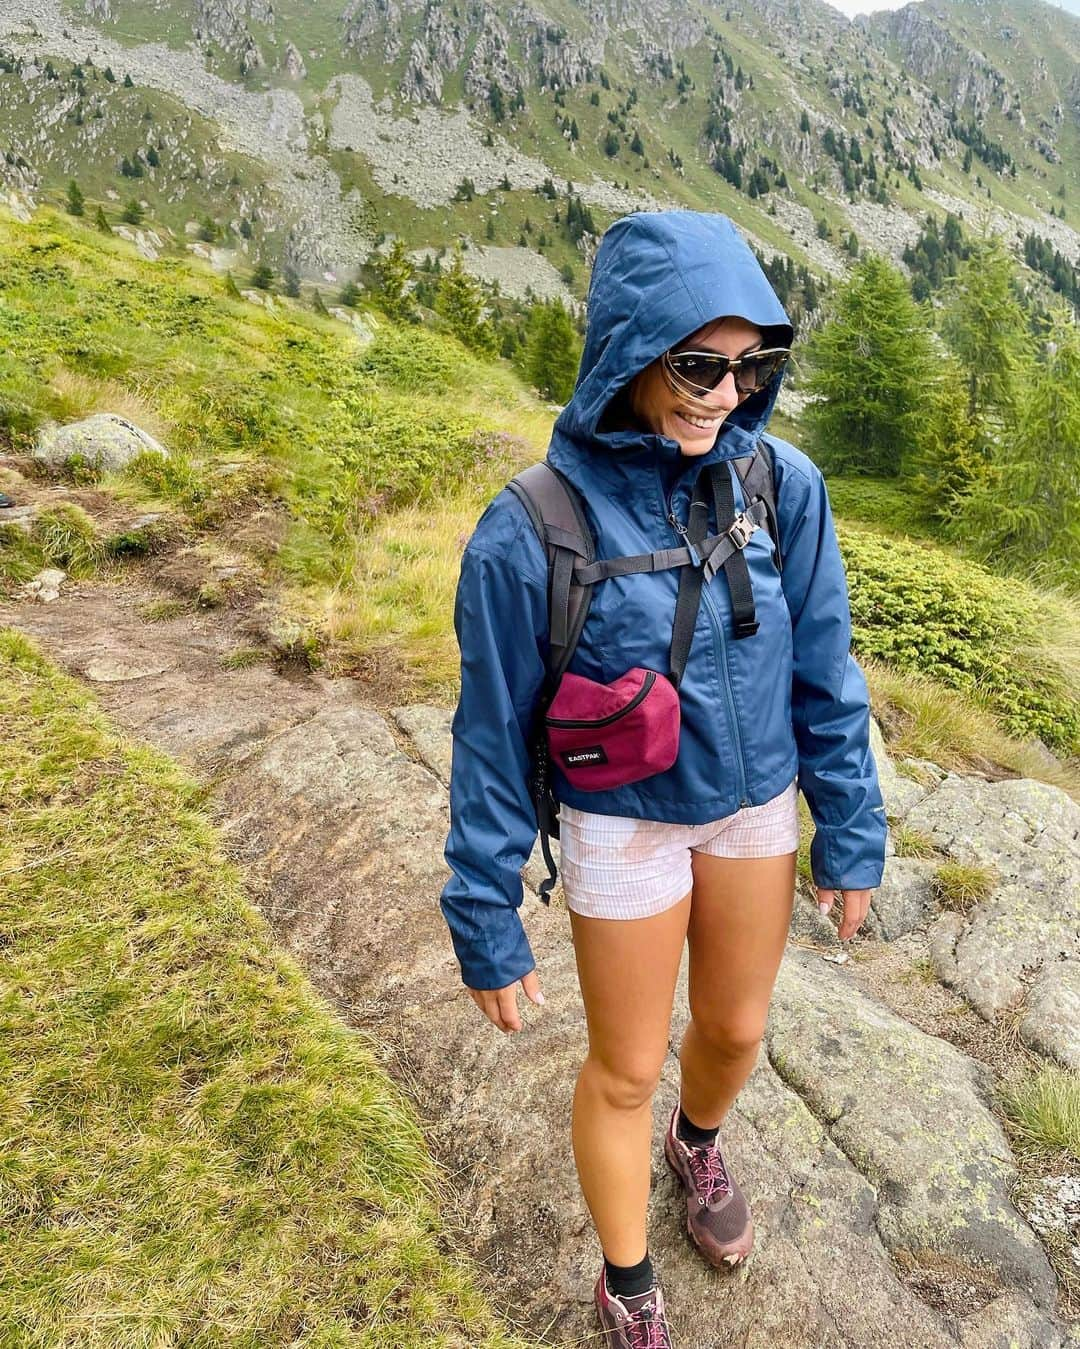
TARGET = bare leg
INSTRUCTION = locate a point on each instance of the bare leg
(627, 969)
(739, 920)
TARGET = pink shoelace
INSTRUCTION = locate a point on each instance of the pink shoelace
(707, 1169)
(645, 1331)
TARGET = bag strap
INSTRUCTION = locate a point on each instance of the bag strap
(555, 508)
(757, 473)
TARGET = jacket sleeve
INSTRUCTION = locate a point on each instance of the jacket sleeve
(500, 617)
(830, 704)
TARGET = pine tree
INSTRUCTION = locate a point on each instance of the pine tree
(871, 373)
(460, 301)
(1026, 510)
(983, 323)
(552, 351)
(231, 287)
(291, 282)
(262, 278)
(396, 273)
(349, 294)
(319, 304)
(101, 221)
(132, 213)
(76, 202)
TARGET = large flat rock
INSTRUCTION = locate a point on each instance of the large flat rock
(878, 1176)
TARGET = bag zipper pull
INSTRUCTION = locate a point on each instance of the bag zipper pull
(680, 529)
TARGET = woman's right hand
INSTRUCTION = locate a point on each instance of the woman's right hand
(500, 1005)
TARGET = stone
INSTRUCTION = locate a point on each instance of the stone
(904, 899)
(909, 1112)
(114, 670)
(18, 517)
(1028, 834)
(428, 728)
(1051, 1023)
(45, 586)
(104, 440)
(898, 792)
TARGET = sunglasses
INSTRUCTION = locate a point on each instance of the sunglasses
(704, 370)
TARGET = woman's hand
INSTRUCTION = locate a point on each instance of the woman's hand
(856, 906)
(500, 1005)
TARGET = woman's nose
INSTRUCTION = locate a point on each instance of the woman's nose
(725, 395)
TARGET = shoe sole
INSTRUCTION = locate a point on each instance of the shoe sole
(745, 1237)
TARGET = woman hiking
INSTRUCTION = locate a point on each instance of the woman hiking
(684, 356)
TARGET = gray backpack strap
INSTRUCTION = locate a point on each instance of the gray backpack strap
(758, 477)
(558, 517)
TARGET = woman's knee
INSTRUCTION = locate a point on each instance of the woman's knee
(624, 1085)
(732, 1036)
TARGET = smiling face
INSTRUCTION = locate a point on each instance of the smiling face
(663, 412)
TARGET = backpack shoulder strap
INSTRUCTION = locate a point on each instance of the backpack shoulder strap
(558, 516)
(757, 473)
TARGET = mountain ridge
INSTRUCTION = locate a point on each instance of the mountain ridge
(431, 120)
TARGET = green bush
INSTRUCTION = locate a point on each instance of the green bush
(922, 609)
(413, 360)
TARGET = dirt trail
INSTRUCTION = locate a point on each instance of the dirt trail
(879, 1179)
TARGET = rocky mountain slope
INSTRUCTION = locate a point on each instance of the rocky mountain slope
(307, 132)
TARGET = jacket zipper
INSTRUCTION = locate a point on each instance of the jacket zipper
(646, 684)
(718, 630)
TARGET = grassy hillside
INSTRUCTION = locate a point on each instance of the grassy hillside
(378, 459)
(195, 1149)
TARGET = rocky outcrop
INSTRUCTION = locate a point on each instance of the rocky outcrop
(863, 1143)
(105, 441)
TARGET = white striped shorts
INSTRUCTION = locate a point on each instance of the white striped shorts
(616, 867)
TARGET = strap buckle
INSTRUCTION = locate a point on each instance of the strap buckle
(741, 530)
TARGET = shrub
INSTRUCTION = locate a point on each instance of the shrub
(924, 610)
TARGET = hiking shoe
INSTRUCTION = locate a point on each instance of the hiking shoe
(633, 1322)
(717, 1214)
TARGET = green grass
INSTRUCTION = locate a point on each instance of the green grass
(1043, 1111)
(194, 1149)
(912, 843)
(882, 502)
(960, 887)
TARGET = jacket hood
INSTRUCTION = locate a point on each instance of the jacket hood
(659, 276)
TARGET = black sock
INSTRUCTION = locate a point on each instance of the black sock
(630, 1280)
(689, 1132)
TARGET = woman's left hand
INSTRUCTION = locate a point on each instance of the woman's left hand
(856, 906)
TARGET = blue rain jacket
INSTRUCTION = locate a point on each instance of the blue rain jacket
(757, 712)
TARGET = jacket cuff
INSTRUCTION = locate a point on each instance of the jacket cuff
(833, 865)
(493, 952)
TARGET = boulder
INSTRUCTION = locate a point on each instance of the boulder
(104, 440)
(1051, 1023)
(1028, 833)
(910, 1112)
(904, 899)
(898, 790)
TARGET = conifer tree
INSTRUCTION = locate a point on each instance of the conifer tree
(101, 220)
(871, 370)
(983, 323)
(396, 273)
(1025, 511)
(291, 281)
(552, 350)
(460, 301)
(132, 213)
(76, 202)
